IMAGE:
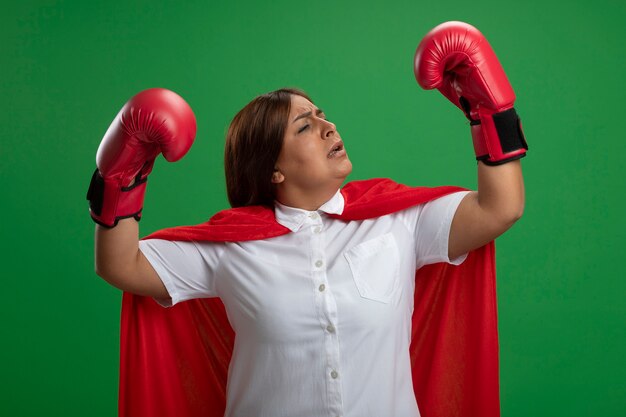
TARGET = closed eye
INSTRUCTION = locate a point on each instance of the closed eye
(303, 128)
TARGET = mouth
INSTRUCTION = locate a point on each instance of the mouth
(336, 150)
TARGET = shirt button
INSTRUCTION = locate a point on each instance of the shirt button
(319, 263)
(330, 328)
(313, 216)
(334, 374)
(317, 229)
(322, 287)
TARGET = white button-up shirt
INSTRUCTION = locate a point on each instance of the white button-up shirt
(323, 314)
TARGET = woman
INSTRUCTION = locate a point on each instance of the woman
(322, 311)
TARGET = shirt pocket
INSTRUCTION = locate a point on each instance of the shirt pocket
(375, 267)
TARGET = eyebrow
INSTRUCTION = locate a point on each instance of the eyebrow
(307, 114)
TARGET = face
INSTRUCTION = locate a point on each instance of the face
(313, 155)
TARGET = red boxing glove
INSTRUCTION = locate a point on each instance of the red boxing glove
(456, 59)
(152, 122)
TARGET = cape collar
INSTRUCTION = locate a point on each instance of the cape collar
(365, 199)
(293, 218)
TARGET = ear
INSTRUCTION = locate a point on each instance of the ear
(277, 177)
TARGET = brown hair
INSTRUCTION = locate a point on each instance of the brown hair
(253, 143)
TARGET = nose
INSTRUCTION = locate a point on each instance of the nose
(328, 129)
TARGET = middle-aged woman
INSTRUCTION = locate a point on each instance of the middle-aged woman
(321, 305)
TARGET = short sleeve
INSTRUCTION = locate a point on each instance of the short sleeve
(187, 269)
(430, 225)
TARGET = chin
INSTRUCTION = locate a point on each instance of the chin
(348, 168)
(345, 170)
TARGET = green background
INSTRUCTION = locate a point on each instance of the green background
(67, 67)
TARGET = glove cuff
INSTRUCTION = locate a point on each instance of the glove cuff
(498, 137)
(109, 201)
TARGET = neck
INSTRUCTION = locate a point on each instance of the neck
(309, 199)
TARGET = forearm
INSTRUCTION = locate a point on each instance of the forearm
(117, 250)
(501, 192)
(484, 215)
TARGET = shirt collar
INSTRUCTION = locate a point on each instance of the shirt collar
(293, 218)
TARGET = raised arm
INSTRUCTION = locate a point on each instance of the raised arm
(154, 121)
(456, 59)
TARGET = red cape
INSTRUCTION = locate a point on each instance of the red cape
(174, 361)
